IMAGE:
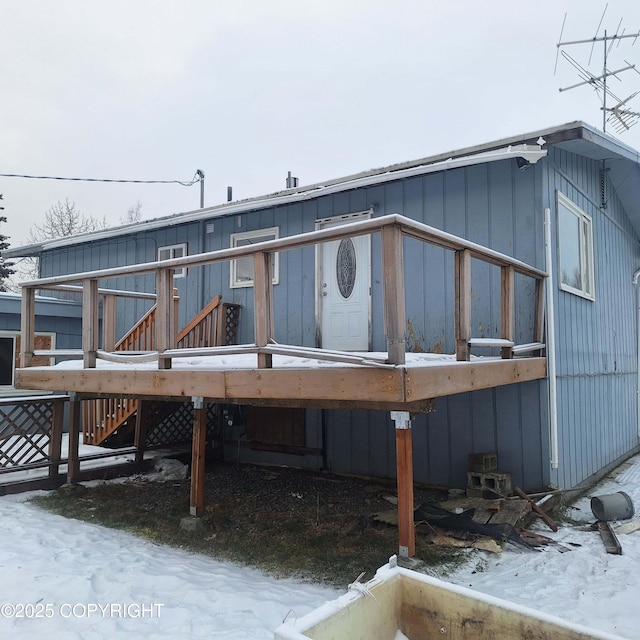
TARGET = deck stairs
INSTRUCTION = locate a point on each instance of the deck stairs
(114, 419)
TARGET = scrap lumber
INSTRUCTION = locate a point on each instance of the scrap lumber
(609, 539)
(539, 511)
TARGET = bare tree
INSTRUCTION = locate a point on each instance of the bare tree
(62, 220)
(134, 214)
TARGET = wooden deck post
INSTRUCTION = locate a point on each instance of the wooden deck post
(73, 461)
(27, 326)
(165, 323)
(199, 443)
(263, 305)
(462, 283)
(140, 434)
(89, 322)
(538, 325)
(109, 322)
(55, 437)
(404, 464)
(393, 293)
(507, 308)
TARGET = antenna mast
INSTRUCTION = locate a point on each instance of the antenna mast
(621, 117)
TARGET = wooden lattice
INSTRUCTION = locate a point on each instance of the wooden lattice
(25, 432)
(231, 320)
(178, 426)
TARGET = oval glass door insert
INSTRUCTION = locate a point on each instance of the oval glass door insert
(346, 267)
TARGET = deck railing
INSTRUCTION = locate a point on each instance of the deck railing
(392, 229)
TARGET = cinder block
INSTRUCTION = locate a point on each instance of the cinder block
(496, 481)
(482, 462)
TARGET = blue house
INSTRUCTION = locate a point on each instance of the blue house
(563, 200)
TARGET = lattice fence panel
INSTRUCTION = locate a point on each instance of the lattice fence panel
(25, 432)
(178, 427)
(231, 321)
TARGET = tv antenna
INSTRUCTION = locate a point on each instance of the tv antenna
(619, 115)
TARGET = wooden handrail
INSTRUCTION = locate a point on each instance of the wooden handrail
(392, 228)
(201, 331)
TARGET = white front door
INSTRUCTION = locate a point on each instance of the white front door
(344, 289)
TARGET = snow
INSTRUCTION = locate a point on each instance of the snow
(70, 579)
(248, 361)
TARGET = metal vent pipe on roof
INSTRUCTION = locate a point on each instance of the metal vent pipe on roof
(292, 182)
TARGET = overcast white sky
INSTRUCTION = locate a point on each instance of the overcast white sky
(248, 90)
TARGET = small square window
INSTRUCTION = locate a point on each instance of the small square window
(242, 268)
(174, 251)
(575, 249)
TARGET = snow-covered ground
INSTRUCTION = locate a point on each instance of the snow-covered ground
(72, 580)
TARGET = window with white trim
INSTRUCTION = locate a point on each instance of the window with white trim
(242, 268)
(174, 251)
(575, 249)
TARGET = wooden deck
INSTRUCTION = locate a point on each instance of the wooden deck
(393, 381)
(398, 388)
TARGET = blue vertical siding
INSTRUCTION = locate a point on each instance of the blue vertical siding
(496, 205)
(595, 340)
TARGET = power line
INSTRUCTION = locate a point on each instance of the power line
(198, 177)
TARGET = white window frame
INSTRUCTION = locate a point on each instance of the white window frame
(172, 249)
(585, 249)
(244, 238)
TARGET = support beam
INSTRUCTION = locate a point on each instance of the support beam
(199, 443)
(404, 463)
(462, 283)
(73, 463)
(55, 437)
(140, 434)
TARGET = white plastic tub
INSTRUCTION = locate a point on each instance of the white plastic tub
(421, 607)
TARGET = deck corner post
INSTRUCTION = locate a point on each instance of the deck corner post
(404, 464)
(462, 282)
(196, 506)
(394, 293)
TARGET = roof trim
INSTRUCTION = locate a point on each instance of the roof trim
(572, 131)
(531, 153)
